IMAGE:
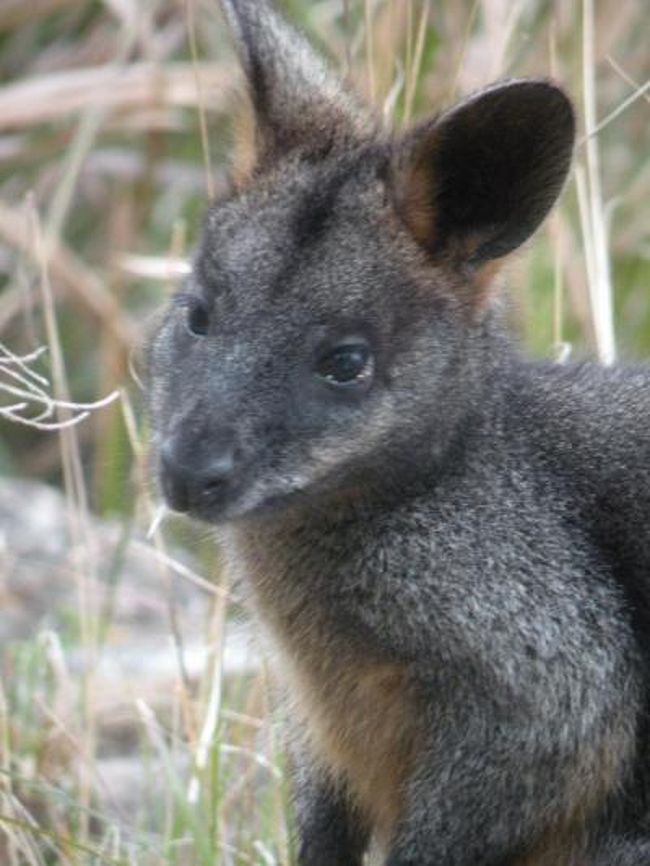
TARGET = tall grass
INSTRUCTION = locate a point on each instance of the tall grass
(115, 128)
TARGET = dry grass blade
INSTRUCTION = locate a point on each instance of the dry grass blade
(620, 71)
(48, 407)
(370, 52)
(592, 211)
(154, 267)
(412, 74)
(200, 100)
(78, 513)
(640, 91)
(67, 271)
(13, 13)
(135, 87)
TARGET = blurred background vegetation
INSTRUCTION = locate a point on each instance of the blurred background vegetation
(115, 129)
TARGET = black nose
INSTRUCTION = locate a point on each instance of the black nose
(196, 478)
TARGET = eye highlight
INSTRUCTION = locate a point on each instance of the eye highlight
(347, 364)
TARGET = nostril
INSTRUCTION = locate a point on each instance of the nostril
(195, 475)
(218, 472)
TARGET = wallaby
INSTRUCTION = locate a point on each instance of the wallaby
(447, 544)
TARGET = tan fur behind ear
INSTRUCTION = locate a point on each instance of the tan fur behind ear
(487, 283)
(474, 184)
(478, 284)
(415, 202)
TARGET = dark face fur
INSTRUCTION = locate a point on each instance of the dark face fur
(295, 348)
(335, 322)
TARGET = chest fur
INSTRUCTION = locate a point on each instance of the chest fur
(356, 712)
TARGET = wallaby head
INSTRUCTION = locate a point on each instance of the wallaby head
(339, 315)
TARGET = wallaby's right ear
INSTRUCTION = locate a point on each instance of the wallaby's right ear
(298, 103)
(475, 183)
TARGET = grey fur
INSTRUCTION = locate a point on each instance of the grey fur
(295, 96)
(463, 527)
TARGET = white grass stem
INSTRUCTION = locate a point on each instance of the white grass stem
(235, 854)
(78, 517)
(637, 94)
(37, 396)
(43, 426)
(153, 267)
(263, 851)
(413, 74)
(600, 288)
(27, 824)
(6, 781)
(35, 390)
(256, 757)
(183, 571)
(370, 49)
(388, 108)
(8, 358)
(33, 395)
(159, 515)
(200, 101)
(463, 49)
(624, 75)
(208, 730)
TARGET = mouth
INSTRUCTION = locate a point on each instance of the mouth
(223, 502)
(214, 504)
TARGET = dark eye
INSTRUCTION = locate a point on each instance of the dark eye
(198, 320)
(346, 365)
(197, 317)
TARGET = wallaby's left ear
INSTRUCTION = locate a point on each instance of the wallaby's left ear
(475, 183)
